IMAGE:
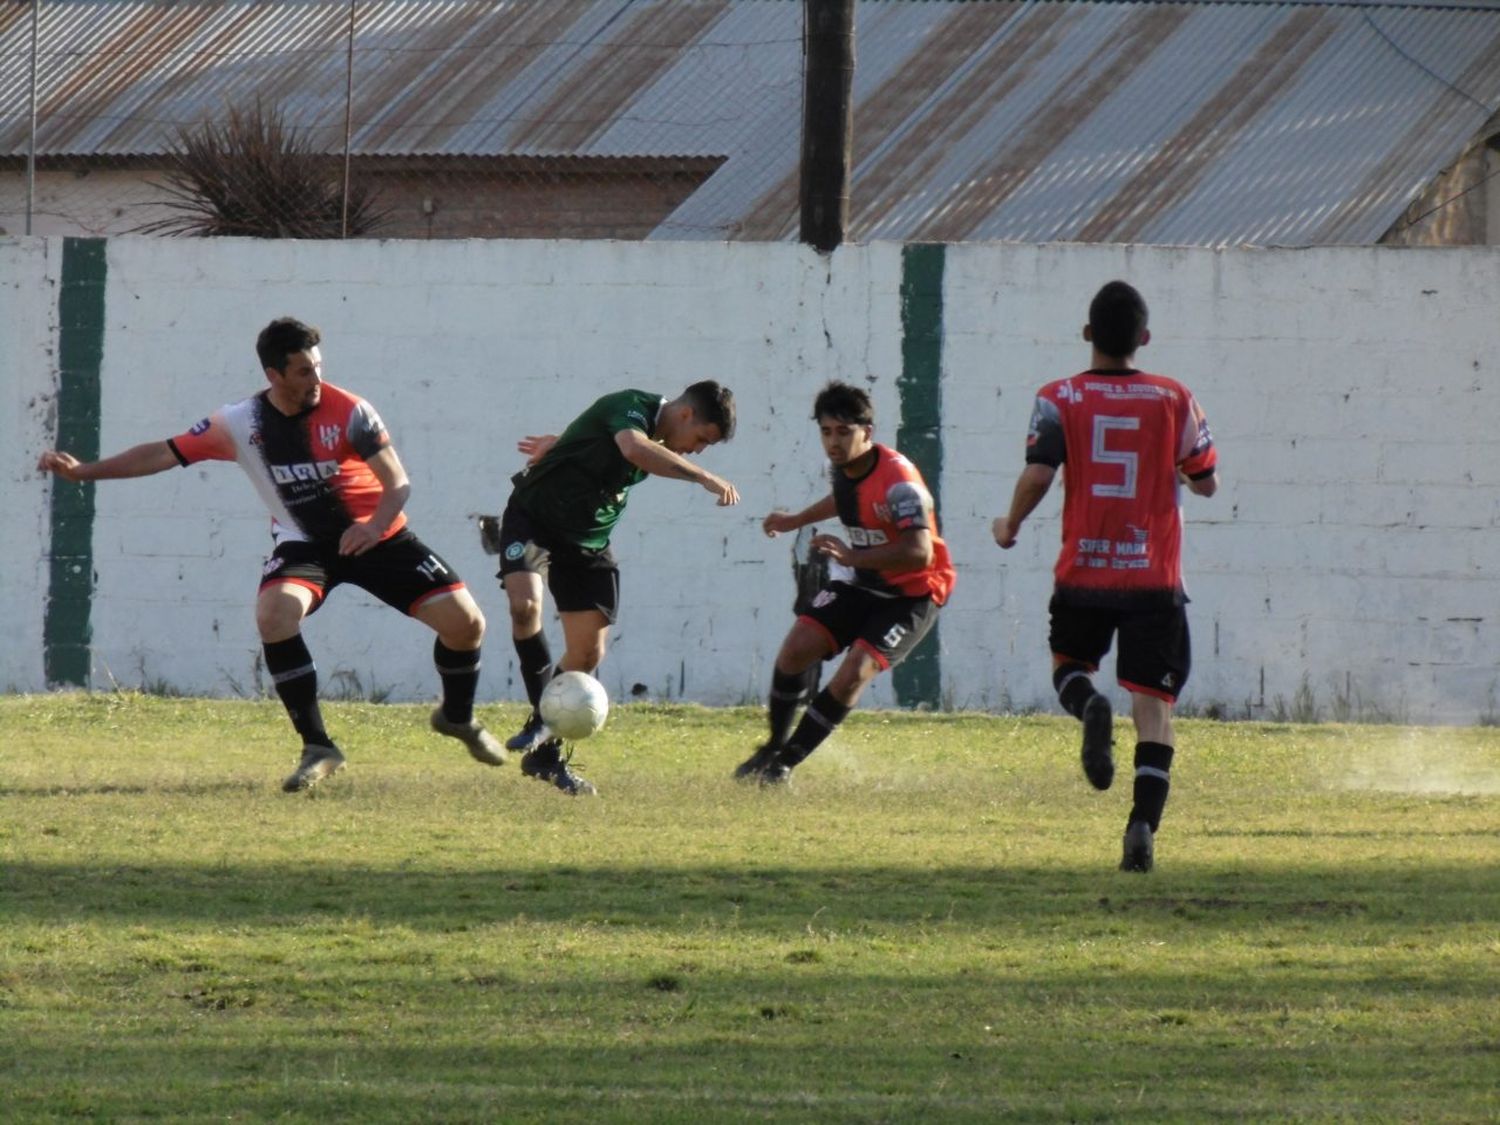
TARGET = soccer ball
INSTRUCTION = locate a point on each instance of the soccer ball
(574, 705)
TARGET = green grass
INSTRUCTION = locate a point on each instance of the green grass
(928, 927)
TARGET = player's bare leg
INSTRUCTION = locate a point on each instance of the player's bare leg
(803, 649)
(585, 637)
(1153, 767)
(1075, 691)
(827, 710)
(459, 624)
(524, 594)
(279, 610)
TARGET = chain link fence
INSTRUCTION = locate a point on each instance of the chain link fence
(435, 118)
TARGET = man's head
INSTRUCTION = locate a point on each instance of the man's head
(700, 416)
(1117, 321)
(846, 422)
(288, 350)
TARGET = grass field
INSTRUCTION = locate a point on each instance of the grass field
(928, 927)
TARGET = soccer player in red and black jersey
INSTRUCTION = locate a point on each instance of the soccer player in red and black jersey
(888, 577)
(1126, 441)
(323, 463)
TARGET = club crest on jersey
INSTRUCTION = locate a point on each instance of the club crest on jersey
(304, 471)
(201, 427)
(515, 551)
(329, 435)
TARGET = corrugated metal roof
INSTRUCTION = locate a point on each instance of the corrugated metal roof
(1189, 123)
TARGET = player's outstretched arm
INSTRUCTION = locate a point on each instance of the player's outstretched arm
(138, 461)
(780, 521)
(660, 461)
(1031, 486)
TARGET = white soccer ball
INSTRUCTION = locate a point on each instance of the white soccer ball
(574, 705)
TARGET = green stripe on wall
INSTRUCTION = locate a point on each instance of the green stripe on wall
(919, 678)
(80, 308)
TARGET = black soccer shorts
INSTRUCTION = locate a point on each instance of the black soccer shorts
(401, 571)
(890, 628)
(1156, 652)
(580, 579)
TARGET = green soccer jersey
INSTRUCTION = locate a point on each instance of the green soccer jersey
(579, 487)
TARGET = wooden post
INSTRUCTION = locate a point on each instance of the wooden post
(827, 121)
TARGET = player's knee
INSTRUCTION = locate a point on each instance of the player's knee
(469, 632)
(525, 615)
(277, 619)
(584, 658)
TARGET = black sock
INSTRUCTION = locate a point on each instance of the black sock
(1074, 687)
(823, 714)
(459, 672)
(535, 659)
(787, 690)
(296, 679)
(1153, 767)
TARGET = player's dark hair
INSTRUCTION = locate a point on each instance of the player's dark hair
(1117, 319)
(844, 402)
(713, 404)
(284, 337)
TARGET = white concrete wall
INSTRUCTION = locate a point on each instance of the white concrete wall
(28, 377)
(1353, 546)
(1355, 543)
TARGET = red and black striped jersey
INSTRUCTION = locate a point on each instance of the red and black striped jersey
(876, 508)
(1120, 437)
(309, 468)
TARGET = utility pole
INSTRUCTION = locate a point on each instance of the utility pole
(827, 121)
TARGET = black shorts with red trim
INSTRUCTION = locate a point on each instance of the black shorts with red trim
(580, 579)
(890, 628)
(401, 571)
(1156, 652)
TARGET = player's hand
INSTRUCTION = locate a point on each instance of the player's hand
(63, 464)
(535, 446)
(1004, 532)
(777, 522)
(726, 492)
(835, 548)
(357, 539)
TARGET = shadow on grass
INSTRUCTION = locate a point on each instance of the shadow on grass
(754, 897)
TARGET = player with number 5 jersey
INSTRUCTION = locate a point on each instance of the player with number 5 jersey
(1127, 442)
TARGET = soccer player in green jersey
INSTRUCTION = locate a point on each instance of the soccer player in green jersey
(557, 525)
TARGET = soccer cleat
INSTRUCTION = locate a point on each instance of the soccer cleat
(546, 763)
(530, 736)
(482, 745)
(776, 775)
(317, 763)
(756, 764)
(1098, 743)
(1138, 847)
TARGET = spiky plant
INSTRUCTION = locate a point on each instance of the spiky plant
(255, 176)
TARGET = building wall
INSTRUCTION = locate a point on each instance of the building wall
(542, 201)
(1351, 556)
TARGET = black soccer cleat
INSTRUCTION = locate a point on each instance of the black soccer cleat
(481, 744)
(530, 736)
(1098, 742)
(756, 764)
(317, 763)
(777, 775)
(546, 763)
(1139, 847)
